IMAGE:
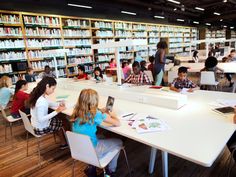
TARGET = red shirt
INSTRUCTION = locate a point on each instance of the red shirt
(82, 76)
(19, 101)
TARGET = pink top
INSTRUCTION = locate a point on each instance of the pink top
(127, 71)
(112, 65)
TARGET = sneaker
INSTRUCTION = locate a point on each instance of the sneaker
(64, 146)
(90, 171)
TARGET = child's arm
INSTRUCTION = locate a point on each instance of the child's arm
(174, 89)
(113, 120)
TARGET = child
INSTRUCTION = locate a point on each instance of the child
(81, 73)
(5, 91)
(19, 99)
(112, 63)
(182, 81)
(126, 69)
(87, 117)
(195, 56)
(30, 77)
(143, 65)
(47, 72)
(150, 66)
(43, 122)
(98, 74)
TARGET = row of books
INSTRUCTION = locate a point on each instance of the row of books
(140, 34)
(102, 24)
(76, 23)
(139, 27)
(103, 65)
(79, 51)
(153, 34)
(11, 43)
(153, 40)
(106, 50)
(99, 33)
(102, 41)
(43, 32)
(176, 39)
(42, 20)
(77, 42)
(78, 33)
(80, 60)
(6, 31)
(44, 53)
(126, 55)
(105, 57)
(123, 34)
(120, 25)
(6, 18)
(41, 64)
(4, 56)
(44, 42)
(167, 34)
(5, 68)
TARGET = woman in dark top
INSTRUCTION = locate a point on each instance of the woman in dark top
(159, 62)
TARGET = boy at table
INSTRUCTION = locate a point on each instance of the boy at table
(182, 81)
(138, 77)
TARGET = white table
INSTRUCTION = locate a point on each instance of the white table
(197, 133)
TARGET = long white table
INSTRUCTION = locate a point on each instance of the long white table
(197, 133)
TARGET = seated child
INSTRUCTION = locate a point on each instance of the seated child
(112, 63)
(126, 69)
(19, 99)
(5, 91)
(150, 66)
(98, 74)
(47, 72)
(182, 81)
(29, 76)
(81, 73)
(87, 117)
(143, 65)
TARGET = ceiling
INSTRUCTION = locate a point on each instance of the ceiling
(144, 9)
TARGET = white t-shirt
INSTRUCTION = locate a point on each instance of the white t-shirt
(39, 114)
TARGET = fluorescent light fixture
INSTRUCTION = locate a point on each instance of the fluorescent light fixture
(161, 17)
(175, 9)
(129, 13)
(225, 26)
(81, 6)
(208, 24)
(173, 1)
(216, 13)
(231, 27)
(199, 8)
(195, 22)
(180, 20)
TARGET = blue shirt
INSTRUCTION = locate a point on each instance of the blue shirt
(89, 129)
(5, 95)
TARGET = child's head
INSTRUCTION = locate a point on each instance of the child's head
(151, 59)
(195, 53)
(47, 69)
(211, 62)
(182, 72)
(233, 53)
(97, 72)
(5, 81)
(112, 60)
(86, 106)
(162, 45)
(46, 86)
(143, 64)
(21, 85)
(81, 69)
(124, 63)
(30, 71)
(136, 68)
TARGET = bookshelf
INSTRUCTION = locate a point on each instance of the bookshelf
(34, 39)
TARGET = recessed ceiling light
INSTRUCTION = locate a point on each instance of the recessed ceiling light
(225, 1)
(195, 22)
(231, 27)
(216, 13)
(173, 1)
(129, 13)
(81, 6)
(199, 8)
(161, 17)
(221, 20)
(225, 26)
(208, 24)
(175, 9)
(180, 20)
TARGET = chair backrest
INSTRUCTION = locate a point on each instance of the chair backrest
(171, 76)
(27, 123)
(149, 74)
(82, 149)
(4, 115)
(207, 78)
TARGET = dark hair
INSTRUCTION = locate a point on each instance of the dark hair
(151, 59)
(142, 65)
(81, 67)
(135, 64)
(40, 89)
(29, 69)
(195, 53)
(182, 69)
(112, 60)
(19, 84)
(224, 59)
(47, 66)
(98, 69)
(162, 45)
(124, 63)
(232, 51)
(211, 62)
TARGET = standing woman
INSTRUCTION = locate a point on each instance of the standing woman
(159, 62)
(42, 121)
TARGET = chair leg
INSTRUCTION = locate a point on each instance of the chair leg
(55, 138)
(127, 162)
(5, 132)
(11, 130)
(73, 168)
(38, 139)
(27, 140)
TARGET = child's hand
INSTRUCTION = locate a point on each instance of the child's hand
(104, 110)
(190, 90)
(178, 90)
(60, 109)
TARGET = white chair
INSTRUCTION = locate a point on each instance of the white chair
(29, 129)
(9, 120)
(82, 149)
(149, 74)
(171, 76)
(208, 78)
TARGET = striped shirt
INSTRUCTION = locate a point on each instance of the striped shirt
(140, 78)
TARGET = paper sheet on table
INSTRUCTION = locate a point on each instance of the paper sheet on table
(227, 102)
(184, 90)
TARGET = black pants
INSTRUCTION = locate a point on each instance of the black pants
(232, 141)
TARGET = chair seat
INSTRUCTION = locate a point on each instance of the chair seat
(11, 119)
(108, 157)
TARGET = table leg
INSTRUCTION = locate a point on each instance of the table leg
(152, 160)
(165, 163)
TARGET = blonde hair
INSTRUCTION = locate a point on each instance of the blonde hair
(86, 106)
(5, 81)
